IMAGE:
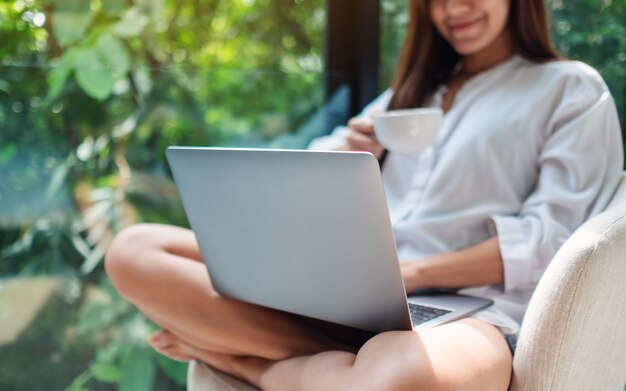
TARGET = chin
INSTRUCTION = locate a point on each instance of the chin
(468, 48)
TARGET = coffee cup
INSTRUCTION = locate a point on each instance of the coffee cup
(408, 130)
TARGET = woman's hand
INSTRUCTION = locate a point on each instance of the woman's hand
(411, 275)
(478, 265)
(361, 137)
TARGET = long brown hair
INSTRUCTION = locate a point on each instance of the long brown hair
(428, 60)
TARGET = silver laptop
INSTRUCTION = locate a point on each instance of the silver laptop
(305, 232)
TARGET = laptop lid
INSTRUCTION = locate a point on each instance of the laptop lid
(305, 232)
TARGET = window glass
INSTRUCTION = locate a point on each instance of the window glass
(594, 32)
(394, 19)
(91, 94)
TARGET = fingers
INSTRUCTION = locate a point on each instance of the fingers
(361, 142)
(361, 137)
(362, 125)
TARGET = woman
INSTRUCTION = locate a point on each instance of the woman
(530, 147)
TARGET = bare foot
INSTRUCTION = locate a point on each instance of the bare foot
(169, 345)
(245, 368)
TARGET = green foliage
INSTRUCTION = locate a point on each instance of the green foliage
(91, 74)
(175, 370)
(70, 20)
(124, 359)
(91, 94)
(137, 372)
(595, 32)
(394, 21)
(111, 84)
(48, 354)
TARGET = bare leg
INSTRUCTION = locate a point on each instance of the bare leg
(464, 355)
(158, 269)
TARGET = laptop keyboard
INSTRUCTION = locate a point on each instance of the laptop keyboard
(421, 314)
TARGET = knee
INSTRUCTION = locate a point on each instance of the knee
(415, 364)
(399, 362)
(501, 373)
(497, 370)
(124, 256)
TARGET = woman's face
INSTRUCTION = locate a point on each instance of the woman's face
(470, 26)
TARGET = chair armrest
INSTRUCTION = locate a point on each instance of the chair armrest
(574, 333)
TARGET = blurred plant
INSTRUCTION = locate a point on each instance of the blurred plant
(595, 32)
(394, 21)
(74, 241)
(125, 360)
(91, 94)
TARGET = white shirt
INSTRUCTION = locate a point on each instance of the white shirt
(527, 152)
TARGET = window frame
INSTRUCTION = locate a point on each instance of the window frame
(352, 56)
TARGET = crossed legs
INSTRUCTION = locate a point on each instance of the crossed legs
(158, 269)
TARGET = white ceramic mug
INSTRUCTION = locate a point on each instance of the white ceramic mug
(408, 130)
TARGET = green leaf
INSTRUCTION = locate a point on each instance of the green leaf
(58, 180)
(138, 371)
(5, 86)
(94, 259)
(70, 19)
(105, 372)
(80, 245)
(113, 7)
(92, 75)
(175, 370)
(111, 351)
(57, 77)
(113, 54)
(153, 8)
(132, 24)
(7, 152)
(96, 315)
(57, 81)
(78, 384)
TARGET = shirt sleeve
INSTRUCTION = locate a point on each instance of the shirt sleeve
(338, 136)
(579, 169)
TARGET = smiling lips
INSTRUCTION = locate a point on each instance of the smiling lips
(460, 27)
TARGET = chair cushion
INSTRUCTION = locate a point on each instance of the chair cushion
(201, 377)
(574, 333)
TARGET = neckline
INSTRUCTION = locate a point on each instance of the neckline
(510, 61)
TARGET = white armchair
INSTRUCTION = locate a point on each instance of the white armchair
(574, 333)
